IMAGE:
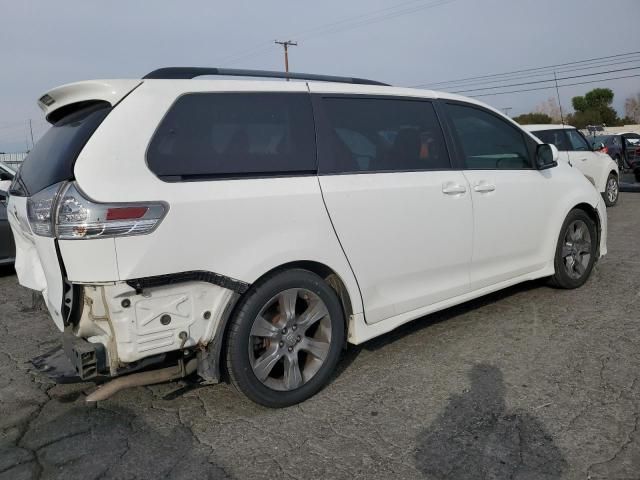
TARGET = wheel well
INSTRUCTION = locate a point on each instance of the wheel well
(593, 214)
(328, 275)
(323, 271)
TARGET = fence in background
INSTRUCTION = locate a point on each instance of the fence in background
(14, 160)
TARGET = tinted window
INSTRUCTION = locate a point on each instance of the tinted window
(378, 134)
(488, 142)
(577, 141)
(554, 137)
(232, 134)
(52, 159)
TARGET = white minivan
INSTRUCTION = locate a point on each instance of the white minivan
(256, 227)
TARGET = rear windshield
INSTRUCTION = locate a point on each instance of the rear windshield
(52, 159)
(229, 135)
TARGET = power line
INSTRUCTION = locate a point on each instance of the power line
(552, 86)
(546, 81)
(528, 69)
(259, 48)
(545, 73)
(346, 23)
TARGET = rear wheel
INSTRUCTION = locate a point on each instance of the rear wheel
(285, 338)
(611, 190)
(576, 250)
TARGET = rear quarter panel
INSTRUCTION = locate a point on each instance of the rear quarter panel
(238, 228)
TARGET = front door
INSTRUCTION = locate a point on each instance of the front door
(511, 199)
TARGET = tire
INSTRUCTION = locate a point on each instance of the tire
(285, 338)
(636, 173)
(572, 269)
(611, 190)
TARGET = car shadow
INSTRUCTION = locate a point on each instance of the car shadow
(477, 437)
(414, 326)
(449, 313)
(7, 270)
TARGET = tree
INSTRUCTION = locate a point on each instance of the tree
(594, 108)
(632, 108)
(531, 118)
(551, 108)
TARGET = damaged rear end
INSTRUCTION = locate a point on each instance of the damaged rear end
(66, 249)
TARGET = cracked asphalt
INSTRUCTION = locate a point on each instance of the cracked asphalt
(529, 383)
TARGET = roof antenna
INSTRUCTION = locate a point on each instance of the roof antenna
(555, 77)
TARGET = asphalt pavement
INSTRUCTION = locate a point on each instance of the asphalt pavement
(528, 383)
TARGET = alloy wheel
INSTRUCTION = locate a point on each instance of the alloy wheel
(612, 190)
(576, 249)
(290, 339)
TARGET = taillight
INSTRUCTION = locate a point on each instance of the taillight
(40, 210)
(69, 215)
(605, 149)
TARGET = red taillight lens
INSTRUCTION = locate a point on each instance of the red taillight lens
(126, 213)
(605, 150)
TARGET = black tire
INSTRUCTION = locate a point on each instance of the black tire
(565, 276)
(241, 344)
(636, 173)
(611, 190)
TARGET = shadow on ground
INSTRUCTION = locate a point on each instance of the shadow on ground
(424, 322)
(476, 437)
(80, 441)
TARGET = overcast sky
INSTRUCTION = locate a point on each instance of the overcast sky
(44, 44)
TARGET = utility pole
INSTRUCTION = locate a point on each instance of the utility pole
(506, 110)
(286, 44)
(555, 77)
(31, 130)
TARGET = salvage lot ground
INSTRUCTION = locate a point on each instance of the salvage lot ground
(527, 383)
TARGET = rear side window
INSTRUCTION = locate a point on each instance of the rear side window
(554, 137)
(487, 141)
(52, 159)
(380, 135)
(212, 135)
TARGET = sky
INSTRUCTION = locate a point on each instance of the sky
(44, 44)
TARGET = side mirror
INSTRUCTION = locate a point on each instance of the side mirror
(546, 156)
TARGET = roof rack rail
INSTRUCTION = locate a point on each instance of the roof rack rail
(175, 73)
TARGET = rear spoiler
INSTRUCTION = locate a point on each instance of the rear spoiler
(110, 91)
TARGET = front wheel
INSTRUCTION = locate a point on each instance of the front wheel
(611, 190)
(576, 251)
(285, 338)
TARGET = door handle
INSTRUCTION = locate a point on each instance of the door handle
(453, 189)
(484, 187)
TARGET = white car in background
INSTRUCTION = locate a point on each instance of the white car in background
(574, 148)
(263, 225)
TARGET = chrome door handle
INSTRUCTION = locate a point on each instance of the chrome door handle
(453, 189)
(484, 187)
